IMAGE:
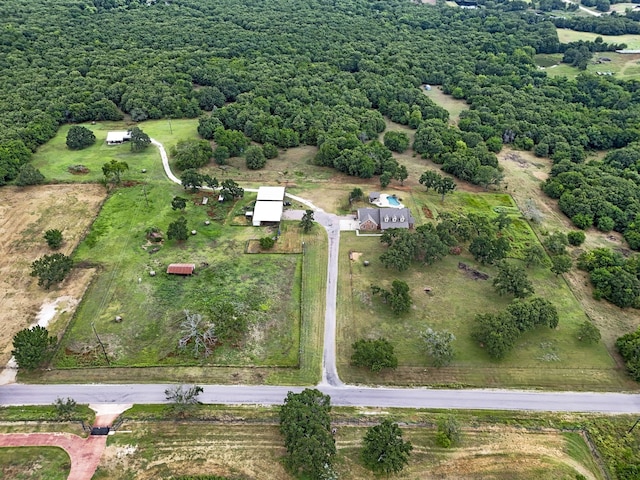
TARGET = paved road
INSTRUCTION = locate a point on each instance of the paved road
(343, 396)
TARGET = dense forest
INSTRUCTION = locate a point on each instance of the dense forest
(322, 72)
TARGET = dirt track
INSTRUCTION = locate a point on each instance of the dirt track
(25, 214)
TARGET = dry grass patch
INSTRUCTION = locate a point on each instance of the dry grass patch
(25, 214)
(161, 449)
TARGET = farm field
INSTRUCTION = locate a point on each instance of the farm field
(542, 358)
(240, 449)
(25, 214)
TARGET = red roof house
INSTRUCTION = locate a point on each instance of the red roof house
(181, 268)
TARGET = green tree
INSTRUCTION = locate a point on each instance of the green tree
(189, 154)
(384, 450)
(234, 140)
(183, 400)
(51, 269)
(396, 141)
(65, 409)
(80, 137)
(444, 186)
(267, 243)
(29, 175)
(385, 179)
(209, 181)
(255, 159)
(178, 203)
(31, 346)
(221, 155)
(512, 279)
(178, 230)
(356, 195)
(588, 333)
(53, 238)
(576, 237)
(496, 333)
(629, 348)
(401, 174)
(374, 354)
(448, 432)
(430, 179)
(230, 190)
(305, 425)
(534, 255)
(190, 178)
(556, 243)
(139, 140)
(270, 150)
(114, 169)
(307, 221)
(439, 346)
(398, 298)
(561, 264)
(486, 249)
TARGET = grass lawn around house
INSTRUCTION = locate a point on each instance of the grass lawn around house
(54, 158)
(152, 307)
(542, 358)
(34, 463)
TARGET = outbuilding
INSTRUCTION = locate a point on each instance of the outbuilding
(181, 268)
(118, 137)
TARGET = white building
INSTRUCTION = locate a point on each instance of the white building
(118, 137)
(269, 206)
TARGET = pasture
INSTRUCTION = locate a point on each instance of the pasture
(566, 35)
(152, 307)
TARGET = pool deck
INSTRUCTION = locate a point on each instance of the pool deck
(385, 201)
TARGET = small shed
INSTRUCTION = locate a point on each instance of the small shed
(181, 268)
(118, 137)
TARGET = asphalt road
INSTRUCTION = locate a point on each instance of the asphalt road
(18, 394)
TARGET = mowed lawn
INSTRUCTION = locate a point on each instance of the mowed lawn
(54, 158)
(152, 307)
(542, 358)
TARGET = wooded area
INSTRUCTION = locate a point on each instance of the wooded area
(324, 73)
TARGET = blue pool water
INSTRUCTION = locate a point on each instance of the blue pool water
(393, 201)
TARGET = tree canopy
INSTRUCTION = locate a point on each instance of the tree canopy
(384, 450)
(305, 425)
(31, 345)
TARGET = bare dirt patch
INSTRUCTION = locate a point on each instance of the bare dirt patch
(25, 214)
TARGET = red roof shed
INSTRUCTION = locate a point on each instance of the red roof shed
(181, 268)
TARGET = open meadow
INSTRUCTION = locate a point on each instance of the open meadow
(240, 444)
(25, 214)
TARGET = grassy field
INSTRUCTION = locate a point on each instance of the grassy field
(54, 158)
(566, 35)
(542, 358)
(452, 105)
(243, 443)
(152, 306)
(624, 66)
(34, 463)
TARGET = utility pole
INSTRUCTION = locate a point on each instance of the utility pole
(106, 357)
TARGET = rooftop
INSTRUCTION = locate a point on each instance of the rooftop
(271, 194)
(181, 268)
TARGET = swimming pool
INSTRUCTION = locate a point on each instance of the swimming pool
(393, 201)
